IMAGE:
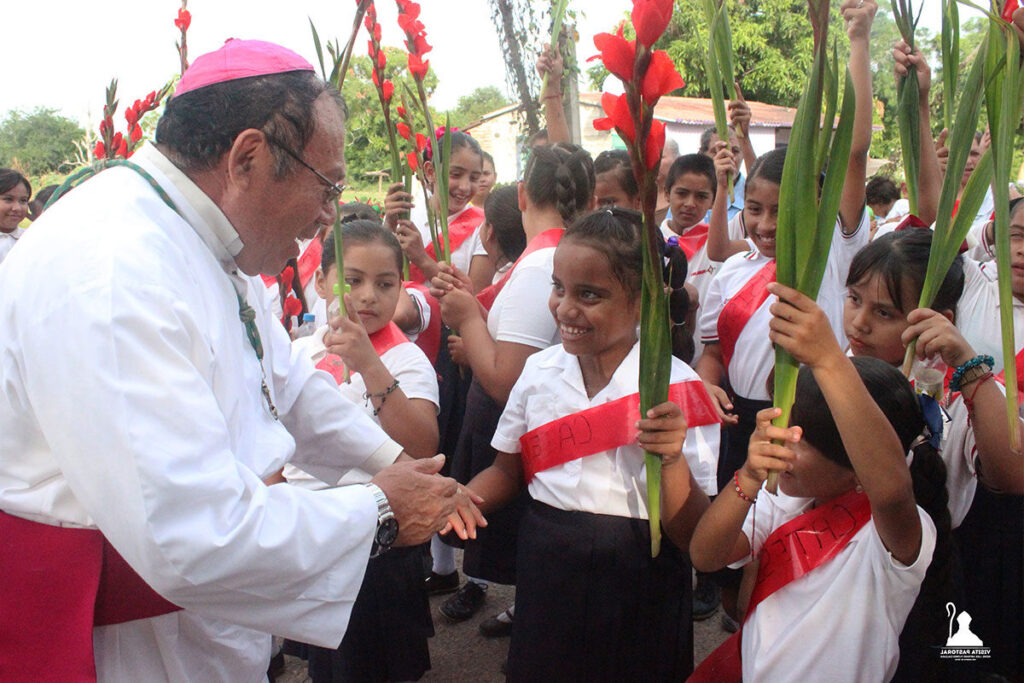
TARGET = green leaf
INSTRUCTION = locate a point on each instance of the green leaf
(319, 49)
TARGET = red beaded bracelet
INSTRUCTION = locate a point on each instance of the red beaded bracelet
(739, 491)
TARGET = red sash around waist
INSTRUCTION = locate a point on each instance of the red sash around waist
(693, 239)
(605, 427)
(548, 238)
(791, 551)
(384, 339)
(459, 230)
(58, 583)
(739, 309)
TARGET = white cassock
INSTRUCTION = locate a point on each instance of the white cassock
(130, 401)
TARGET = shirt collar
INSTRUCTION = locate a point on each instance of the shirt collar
(623, 381)
(14, 234)
(201, 212)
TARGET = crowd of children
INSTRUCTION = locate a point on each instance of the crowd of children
(520, 359)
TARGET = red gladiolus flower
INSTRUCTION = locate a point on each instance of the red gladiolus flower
(288, 274)
(1009, 8)
(388, 90)
(122, 148)
(131, 116)
(382, 60)
(374, 79)
(661, 77)
(650, 19)
(410, 24)
(421, 44)
(654, 144)
(418, 67)
(409, 8)
(106, 125)
(617, 116)
(617, 53)
(403, 130)
(376, 32)
(292, 306)
(421, 142)
(136, 134)
(414, 161)
(184, 19)
(100, 152)
(401, 111)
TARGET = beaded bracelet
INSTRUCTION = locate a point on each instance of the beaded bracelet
(383, 396)
(954, 382)
(739, 491)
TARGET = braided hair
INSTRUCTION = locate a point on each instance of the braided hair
(560, 176)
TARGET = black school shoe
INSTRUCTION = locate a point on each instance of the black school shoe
(464, 604)
(706, 597)
(439, 584)
(496, 627)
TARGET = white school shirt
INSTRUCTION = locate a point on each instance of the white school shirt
(754, 355)
(130, 401)
(520, 311)
(977, 312)
(610, 482)
(842, 620)
(463, 255)
(701, 270)
(406, 363)
(8, 240)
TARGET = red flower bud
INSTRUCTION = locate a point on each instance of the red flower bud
(421, 142)
(122, 148)
(184, 19)
(376, 32)
(388, 89)
(661, 78)
(288, 274)
(106, 125)
(292, 306)
(418, 67)
(401, 111)
(136, 133)
(414, 161)
(373, 77)
(403, 130)
(421, 44)
(100, 152)
(131, 116)
(1008, 9)
(382, 60)
(650, 19)
(409, 8)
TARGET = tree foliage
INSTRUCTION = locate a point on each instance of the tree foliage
(38, 142)
(479, 102)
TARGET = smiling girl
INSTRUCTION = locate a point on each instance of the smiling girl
(591, 604)
(15, 192)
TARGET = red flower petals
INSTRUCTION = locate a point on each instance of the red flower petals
(1009, 8)
(292, 306)
(388, 89)
(403, 130)
(414, 161)
(617, 53)
(184, 20)
(661, 77)
(418, 67)
(654, 144)
(617, 116)
(421, 142)
(650, 19)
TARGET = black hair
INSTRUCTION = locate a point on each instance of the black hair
(351, 211)
(535, 139)
(705, 139)
(699, 164)
(769, 166)
(1014, 203)
(615, 233)
(459, 140)
(199, 126)
(617, 161)
(501, 210)
(9, 179)
(487, 157)
(560, 175)
(900, 258)
(361, 232)
(881, 190)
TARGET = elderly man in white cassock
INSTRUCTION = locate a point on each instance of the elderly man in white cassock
(146, 392)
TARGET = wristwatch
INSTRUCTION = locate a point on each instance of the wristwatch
(387, 525)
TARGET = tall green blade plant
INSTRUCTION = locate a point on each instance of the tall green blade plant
(807, 219)
(558, 18)
(719, 66)
(950, 59)
(908, 93)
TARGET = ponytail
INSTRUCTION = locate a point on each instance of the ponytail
(561, 176)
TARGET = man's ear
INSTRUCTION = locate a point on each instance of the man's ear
(248, 154)
(521, 193)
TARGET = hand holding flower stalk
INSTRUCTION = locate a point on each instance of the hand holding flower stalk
(719, 65)
(646, 75)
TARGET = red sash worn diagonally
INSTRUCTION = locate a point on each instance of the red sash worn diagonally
(384, 339)
(738, 310)
(1001, 377)
(429, 340)
(459, 229)
(58, 583)
(308, 262)
(693, 239)
(548, 238)
(791, 551)
(605, 427)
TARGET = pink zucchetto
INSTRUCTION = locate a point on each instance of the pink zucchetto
(239, 59)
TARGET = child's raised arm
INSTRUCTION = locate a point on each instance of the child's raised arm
(858, 15)
(871, 443)
(550, 63)
(720, 246)
(929, 178)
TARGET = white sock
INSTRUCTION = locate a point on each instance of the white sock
(443, 556)
(507, 616)
(480, 582)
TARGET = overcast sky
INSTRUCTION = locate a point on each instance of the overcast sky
(62, 53)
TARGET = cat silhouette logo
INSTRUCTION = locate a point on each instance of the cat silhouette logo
(963, 645)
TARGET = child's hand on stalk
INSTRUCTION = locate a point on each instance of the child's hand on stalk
(739, 114)
(764, 455)
(347, 338)
(411, 241)
(904, 59)
(858, 15)
(550, 62)
(663, 431)
(936, 335)
(457, 303)
(800, 327)
(396, 202)
(722, 403)
(448, 277)
(725, 163)
(457, 350)
(942, 150)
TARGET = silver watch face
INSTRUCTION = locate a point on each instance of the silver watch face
(387, 532)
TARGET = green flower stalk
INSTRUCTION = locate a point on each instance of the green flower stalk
(341, 287)
(950, 59)
(719, 66)
(558, 17)
(807, 218)
(908, 93)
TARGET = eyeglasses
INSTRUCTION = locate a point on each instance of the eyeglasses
(334, 190)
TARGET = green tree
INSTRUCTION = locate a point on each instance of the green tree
(38, 142)
(479, 102)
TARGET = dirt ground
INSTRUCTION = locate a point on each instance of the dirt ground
(459, 653)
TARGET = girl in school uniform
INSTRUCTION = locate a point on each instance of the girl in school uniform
(464, 219)
(391, 377)
(558, 185)
(616, 184)
(832, 609)
(591, 602)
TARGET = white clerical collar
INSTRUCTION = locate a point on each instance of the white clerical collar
(13, 234)
(209, 222)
